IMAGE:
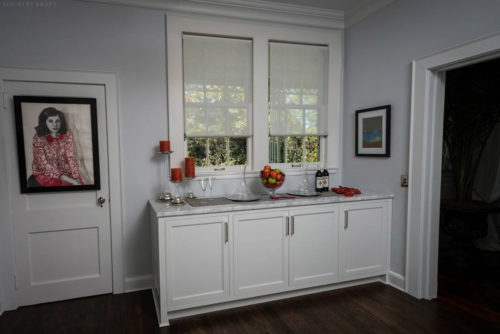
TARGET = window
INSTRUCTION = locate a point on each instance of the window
(242, 92)
(297, 101)
(217, 99)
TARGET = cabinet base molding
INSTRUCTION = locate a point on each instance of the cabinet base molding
(138, 283)
(259, 300)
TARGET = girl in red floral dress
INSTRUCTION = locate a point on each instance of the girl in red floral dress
(54, 162)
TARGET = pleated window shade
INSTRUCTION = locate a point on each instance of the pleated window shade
(217, 86)
(298, 84)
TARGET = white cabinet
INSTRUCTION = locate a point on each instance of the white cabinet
(314, 246)
(260, 253)
(205, 262)
(197, 258)
(364, 239)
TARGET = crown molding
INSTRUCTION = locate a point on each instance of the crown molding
(259, 10)
(365, 9)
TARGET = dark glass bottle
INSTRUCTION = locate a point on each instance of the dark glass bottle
(319, 180)
(326, 180)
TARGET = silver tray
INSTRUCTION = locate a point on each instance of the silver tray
(247, 198)
(304, 193)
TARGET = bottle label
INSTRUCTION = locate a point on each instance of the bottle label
(319, 182)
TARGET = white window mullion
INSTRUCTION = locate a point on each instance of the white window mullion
(227, 151)
(207, 142)
(261, 106)
(286, 150)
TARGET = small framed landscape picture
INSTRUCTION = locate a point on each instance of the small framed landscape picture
(373, 132)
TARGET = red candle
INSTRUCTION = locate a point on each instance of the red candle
(176, 174)
(165, 145)
(189, 167)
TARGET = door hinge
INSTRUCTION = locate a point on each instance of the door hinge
(16, 286)
(4, 100)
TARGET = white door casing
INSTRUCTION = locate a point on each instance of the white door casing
(426, 137)
(62, 241)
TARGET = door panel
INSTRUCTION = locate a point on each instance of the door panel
(363, 242)
(314, 246)
(62, 239)
(260, 253)
(197, 260)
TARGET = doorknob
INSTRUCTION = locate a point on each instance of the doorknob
(100, 201)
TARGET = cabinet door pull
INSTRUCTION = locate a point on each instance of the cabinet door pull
(287, 225)
(226, 233)
(346, 219)
(293, 226)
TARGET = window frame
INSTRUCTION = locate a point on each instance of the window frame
(261, 34)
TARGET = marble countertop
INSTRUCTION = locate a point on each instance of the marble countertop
(163, 210)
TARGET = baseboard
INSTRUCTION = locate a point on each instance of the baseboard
(138, 283)
(396, 280)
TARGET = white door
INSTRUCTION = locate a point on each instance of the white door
(364, 239)
(260, 253)
(314, 246)
(62, 239)
(197, 260)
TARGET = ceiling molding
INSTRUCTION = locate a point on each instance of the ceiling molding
(262, 10)
(365, 9)
(259, 10)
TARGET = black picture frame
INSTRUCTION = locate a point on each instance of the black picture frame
(42, 157)
(373, 132)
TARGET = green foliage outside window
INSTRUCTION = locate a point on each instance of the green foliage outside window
(293, 149)
(223, 151)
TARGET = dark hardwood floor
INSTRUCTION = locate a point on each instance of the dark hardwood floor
(373, 308)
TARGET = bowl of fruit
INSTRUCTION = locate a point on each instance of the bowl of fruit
(272, 179)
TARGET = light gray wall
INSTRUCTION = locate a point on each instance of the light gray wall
(75, 35)
(378, 55)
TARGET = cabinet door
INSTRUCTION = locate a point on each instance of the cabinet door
(364, 239)
(197, 260)
(260, 255)
(314, 246)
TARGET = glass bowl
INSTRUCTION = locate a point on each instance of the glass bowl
(272, 179)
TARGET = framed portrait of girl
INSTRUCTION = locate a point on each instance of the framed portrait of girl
(57, 143)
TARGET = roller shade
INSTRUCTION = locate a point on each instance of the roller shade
(217, 86)
(298, 85)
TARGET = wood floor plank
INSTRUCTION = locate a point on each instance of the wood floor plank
(373, 308)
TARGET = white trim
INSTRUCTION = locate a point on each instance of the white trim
(260, 10)
(425, 159)
(396, 280)
(138, 283)
(109, 81)
(365, 9)
(257, 10)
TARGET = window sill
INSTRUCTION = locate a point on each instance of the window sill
(223, 175)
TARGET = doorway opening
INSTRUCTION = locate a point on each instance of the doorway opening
(469, 246)
(426, 141)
